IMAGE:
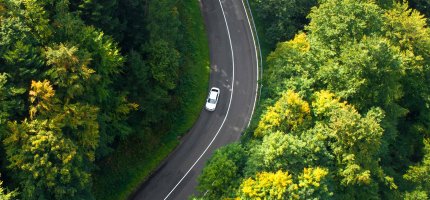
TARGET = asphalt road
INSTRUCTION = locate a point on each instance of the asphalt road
(233, 70)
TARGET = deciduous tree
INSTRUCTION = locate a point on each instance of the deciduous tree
(223, 172)
(289, 114)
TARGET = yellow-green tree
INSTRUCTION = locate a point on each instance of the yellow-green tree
(51, 153)
(282, 185)
(354, 141)
(48, 164)
(267, 185)
(289, 114)
(286, 63)
(5, 194)
(41, 98)
(285, 151)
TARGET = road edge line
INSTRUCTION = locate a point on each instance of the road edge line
(256, 59)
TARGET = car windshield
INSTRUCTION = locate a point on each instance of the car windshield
(211, 100)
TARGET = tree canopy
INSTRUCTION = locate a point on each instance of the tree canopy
(76, 78)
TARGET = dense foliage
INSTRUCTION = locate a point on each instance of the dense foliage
(345, 112)
(286, 18)
(77, 77)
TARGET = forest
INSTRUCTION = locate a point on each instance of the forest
(345, 105)
(83, 81)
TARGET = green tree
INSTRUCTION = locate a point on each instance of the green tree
(284, 18)
(337, 22)
(279, 150)
(223, 172)
(366, 74)
(338, 138)
(8, 100)
(102, 14)
(44, 40)
(163, 61)
(419, 175)
(25, 25)
(93, 72)
(290, 66)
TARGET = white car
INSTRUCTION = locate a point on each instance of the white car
(212, 99)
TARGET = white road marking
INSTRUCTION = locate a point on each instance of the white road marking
(228, 109)
(256, 59)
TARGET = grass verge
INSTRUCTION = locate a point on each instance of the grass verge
(194, 84)
(123, 171)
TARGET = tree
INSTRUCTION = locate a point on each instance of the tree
(8, 100)
(93, 72)
(285, 18)
(47, 164)
(281, 185)
(268, 185)
(290, 113)
(337, 138)
(355, 142)
(223, 172)
(286, 63)
(419, 175)
(163, 61)
(69, 70)
(7, 195)
(312, 184)
(376, 57)
(285, 151)
(25, 25)
(102, 14)
(52, 152)
(338, 22)
(366, 74)
(41, 98)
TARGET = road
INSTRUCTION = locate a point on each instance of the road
(234, 70)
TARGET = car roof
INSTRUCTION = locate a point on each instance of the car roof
(213, 95)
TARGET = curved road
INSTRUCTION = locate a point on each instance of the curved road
(234, 70)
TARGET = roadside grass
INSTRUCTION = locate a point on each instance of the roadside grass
(194, 85)
(135, 158)
(123, 171)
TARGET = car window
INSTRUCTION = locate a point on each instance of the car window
(211, 100)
